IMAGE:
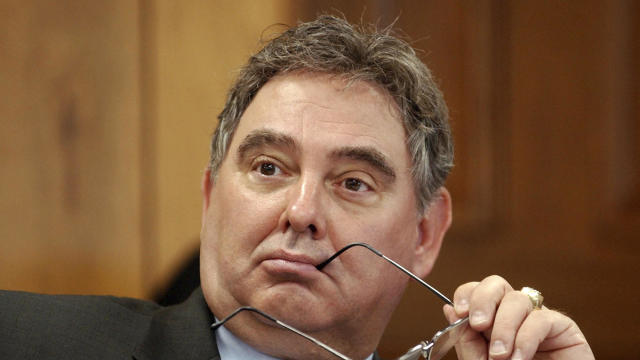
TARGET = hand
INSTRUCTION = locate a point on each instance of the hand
(504, 325)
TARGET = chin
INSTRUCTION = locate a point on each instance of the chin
(299, 307)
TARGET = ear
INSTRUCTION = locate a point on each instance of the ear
(205, 187)
(434, 223)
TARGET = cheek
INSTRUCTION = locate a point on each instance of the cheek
(235, 225)
(239, 219)
(393, 236)
(388, 233)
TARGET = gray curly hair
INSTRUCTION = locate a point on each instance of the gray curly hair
(331, 45)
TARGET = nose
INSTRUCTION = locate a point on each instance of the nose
(305, 210)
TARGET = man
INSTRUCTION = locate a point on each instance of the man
(329, 136)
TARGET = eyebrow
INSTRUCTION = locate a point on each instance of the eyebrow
(366, 154)
(262, 137)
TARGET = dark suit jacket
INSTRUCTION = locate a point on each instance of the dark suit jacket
(34, 326)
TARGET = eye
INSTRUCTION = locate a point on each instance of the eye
(268, 169)
(356, 185)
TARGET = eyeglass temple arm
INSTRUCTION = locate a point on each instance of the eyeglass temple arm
(219, 323)
(373, 250)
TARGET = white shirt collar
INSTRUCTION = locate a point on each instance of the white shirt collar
(232, 348)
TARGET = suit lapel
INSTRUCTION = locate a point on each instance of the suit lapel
(180, 332)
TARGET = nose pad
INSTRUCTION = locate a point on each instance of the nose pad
(304, 212)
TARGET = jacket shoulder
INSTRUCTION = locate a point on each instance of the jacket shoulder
(36, 326)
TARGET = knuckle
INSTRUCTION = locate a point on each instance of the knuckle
(465, 289)
(519, 298)
(497, 282)
(545, 315)
(495, 279)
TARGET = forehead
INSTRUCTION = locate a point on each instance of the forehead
(324, 108)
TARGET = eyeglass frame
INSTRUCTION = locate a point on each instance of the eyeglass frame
(424, 348)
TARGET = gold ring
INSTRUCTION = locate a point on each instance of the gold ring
(535, 296)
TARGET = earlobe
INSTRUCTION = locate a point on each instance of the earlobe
(433, 226)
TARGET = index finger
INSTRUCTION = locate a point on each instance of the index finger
(461, 298)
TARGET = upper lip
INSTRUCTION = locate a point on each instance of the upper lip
(281, 254)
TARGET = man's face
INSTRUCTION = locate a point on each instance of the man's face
(313, 166)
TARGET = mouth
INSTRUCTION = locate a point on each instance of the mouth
(285, 264)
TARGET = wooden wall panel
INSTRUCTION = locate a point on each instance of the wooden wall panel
(198, 48)
(621, 185)
(570, 91)
(107, 112)
(69, 138)
(455, 41)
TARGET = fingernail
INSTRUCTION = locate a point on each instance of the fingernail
(477, 318)
(497, 348)
(462, 306)
(517, 355)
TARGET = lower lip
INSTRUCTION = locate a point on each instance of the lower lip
(288, 268)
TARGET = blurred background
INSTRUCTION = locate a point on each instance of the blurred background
(106, 109)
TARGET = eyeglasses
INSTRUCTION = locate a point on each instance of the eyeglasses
(433, 349)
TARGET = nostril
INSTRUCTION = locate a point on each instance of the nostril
(312, 228)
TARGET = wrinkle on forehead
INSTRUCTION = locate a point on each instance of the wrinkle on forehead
(348, 88)
(327, 110)
(308, 102)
